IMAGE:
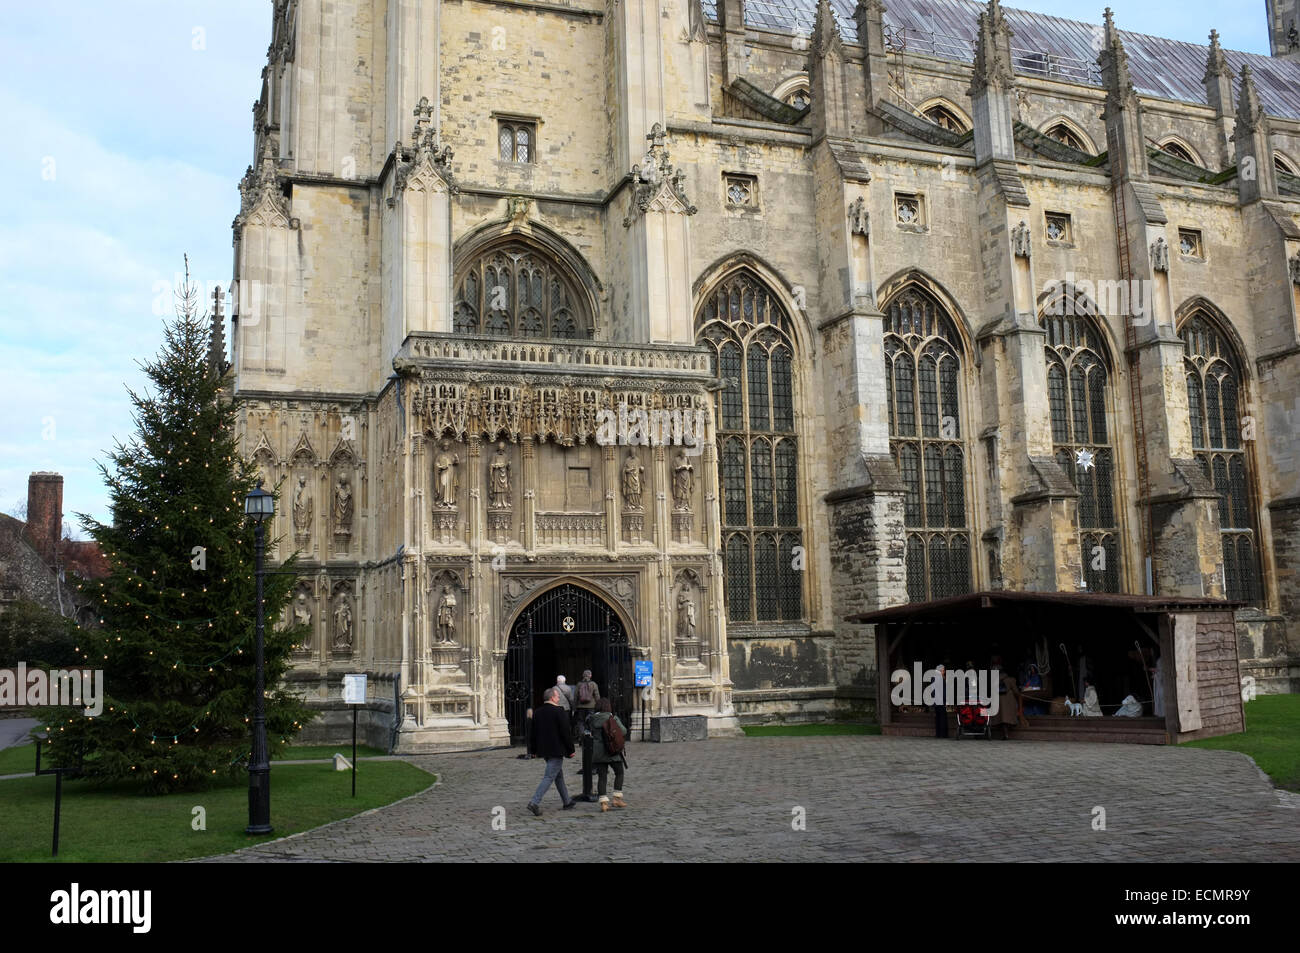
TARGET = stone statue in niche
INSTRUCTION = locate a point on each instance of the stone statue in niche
(447, 616)
(445, 483)
(302, 616)
(685, 615)
(1160, 255)
(633, 477)
(499, 479)
(343, 625)
(302, 508)
(683, 479)
(1020, 240)
(859, 217)
(343, 507)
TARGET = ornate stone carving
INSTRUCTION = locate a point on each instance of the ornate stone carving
(570, 529)
(1293, 265)
(302, 617)
(683, 482)
(569, 412)
(447, 616)
(1020, 239)
(620, 588)
(302, 508)
(261, 194)
(343, 506)
(685, 614)
(1160, 255)
(633, 478)
(342, 644)
(426, 165)
(517, 207)
(446, 484)
(859, 217)
(696, 22)
(499, 479)
(657, 186)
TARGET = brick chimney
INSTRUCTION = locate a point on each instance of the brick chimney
(45, 513)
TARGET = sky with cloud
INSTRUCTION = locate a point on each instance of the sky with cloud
(128, 125)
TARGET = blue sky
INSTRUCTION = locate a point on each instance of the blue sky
(128, 124)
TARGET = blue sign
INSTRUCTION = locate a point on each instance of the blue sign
(644, 669)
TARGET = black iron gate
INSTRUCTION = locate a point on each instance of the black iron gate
(569, 614)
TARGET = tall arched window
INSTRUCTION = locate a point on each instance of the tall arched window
(514, 290)
(1215, 389)
(1082, 434)
(758, 453)
(923, 381)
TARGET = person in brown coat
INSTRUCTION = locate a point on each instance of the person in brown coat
(1008, 715)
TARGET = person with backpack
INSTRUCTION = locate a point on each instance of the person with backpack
(587, 694)
(609, 736)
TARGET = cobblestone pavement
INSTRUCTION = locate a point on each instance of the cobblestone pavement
(865, 798)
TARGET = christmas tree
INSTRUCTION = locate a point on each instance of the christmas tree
(178, 611)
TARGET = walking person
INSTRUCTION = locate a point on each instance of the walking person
(587, 694)
(1008, 715)
(552, 740)
(608, 737)
(566, 702)
(941, 708)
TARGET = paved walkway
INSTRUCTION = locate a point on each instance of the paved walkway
(13, 731)
(864, 798)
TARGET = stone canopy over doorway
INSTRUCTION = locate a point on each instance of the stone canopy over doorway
(566, 629)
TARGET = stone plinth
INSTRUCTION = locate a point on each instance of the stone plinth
(679, 728)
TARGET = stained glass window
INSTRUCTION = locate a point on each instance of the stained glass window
(513, 290)
(1078, 395)
(1214, 386)
(749, 332)
(923, 367)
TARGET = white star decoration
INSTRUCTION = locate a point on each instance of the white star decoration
(1083, 458)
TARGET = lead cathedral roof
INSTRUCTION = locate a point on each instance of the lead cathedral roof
(1169, 69)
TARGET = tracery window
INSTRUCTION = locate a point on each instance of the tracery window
(922, 380)
(800, 98)
(1083, 436)
(941, 115)
(513, 290)
(758, 453)
(1066, 136)
(1178, 151)
(1215, 386)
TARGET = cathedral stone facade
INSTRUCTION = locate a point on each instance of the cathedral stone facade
(584, 332)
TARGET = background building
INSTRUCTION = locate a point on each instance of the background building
(977, 298)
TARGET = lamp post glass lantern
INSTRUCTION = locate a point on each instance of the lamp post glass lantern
(259, 506)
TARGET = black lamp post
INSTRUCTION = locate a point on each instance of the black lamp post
(259, 506)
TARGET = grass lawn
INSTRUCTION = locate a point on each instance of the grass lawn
(307, 752)
(116, 824)
(794, 731)
(18, 759)
(1272, 738)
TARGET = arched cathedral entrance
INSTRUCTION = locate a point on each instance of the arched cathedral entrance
(561, 632)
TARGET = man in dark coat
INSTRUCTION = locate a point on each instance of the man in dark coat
(552, 740)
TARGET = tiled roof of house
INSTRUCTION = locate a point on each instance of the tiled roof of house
(1042, 46)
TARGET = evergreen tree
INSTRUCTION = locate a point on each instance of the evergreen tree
(178, 611)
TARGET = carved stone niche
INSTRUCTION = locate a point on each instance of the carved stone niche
(302, 611)
(445, 488)
(343, 619)
(633, 493)
(447, 605)
(688, 622)
(343, 498)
